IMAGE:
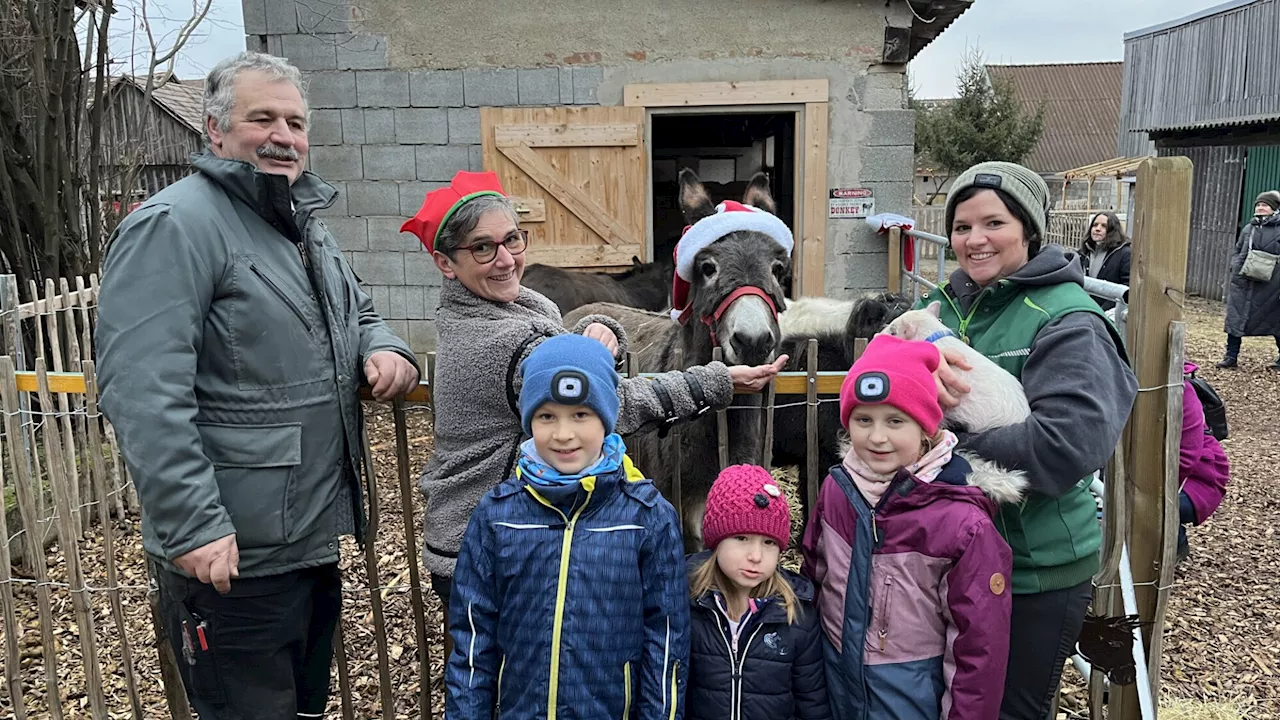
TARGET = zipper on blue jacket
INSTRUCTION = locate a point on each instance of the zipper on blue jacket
(736, 663)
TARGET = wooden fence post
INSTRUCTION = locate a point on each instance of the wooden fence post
(98, 471)
(407, 489)
(895, 260)
(374, 578)
(13, 631)
(1161, 226)
(811, 423)
(722, 421)
(28, 506)
(62, 482)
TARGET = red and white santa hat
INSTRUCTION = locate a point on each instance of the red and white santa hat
(730, 217)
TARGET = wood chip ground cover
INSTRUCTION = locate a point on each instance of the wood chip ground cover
(1222, 637)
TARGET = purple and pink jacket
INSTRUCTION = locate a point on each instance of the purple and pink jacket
(914, 594)
(1203, 469)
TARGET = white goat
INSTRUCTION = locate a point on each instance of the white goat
(995, 398)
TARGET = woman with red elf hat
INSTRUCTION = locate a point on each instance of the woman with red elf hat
(486, 324)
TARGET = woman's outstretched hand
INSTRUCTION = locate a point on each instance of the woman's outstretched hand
(753, 379)
(950, 387)
(601, 332)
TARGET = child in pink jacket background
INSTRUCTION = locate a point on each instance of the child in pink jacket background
(912, 575)
(1203, 469)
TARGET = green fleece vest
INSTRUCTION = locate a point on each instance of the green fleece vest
(1055, 541)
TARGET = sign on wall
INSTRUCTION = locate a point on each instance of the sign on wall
(850, 203)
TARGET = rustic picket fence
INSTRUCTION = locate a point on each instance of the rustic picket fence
(78, 619)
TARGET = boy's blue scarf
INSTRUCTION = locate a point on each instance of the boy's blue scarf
(540, 473)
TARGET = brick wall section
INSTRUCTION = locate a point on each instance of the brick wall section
(385, 137)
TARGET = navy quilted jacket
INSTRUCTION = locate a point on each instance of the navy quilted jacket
(777, 672)
(576, 614)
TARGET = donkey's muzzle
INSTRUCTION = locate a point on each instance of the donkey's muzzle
(752, 347)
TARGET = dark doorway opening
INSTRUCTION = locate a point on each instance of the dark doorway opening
(725, 150)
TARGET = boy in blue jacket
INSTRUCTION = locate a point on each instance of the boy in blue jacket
(570, 598)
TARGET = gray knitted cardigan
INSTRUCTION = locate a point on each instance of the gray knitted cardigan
(480, 344)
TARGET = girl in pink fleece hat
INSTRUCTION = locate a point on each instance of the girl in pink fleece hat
(912, 575)
(755, 645)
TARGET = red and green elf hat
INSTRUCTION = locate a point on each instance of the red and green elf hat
(441, 204)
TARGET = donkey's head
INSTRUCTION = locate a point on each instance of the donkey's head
(735, 281)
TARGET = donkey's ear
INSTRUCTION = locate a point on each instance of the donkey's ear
(757, 194)
(695, 203)
(935, 309)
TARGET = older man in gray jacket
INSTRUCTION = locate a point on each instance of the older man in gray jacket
(232, 342)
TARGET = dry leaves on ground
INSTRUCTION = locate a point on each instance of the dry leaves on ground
(1222, 636)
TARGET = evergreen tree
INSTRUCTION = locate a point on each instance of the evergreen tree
(984, 123)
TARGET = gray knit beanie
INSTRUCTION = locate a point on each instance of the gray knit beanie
(1271, 198)
(1026, 188)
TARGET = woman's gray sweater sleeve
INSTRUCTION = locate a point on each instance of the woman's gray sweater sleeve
(673, 396)
(618, 332)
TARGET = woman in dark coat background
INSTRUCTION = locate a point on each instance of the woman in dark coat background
(1253, 307)
(1106, 252)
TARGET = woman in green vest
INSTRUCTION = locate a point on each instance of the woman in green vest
(1024, 306)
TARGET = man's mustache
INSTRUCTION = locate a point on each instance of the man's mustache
(277, 152)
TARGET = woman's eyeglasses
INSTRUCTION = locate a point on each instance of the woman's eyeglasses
(486, 251)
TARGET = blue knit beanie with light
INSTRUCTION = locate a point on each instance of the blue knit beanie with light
(570, 370)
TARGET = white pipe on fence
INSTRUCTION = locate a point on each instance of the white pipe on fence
(1139, 650)
(1095, 287)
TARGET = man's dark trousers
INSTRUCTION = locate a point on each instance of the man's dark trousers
(260, 652)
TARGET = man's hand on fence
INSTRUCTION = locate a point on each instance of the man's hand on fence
(389, 375)
(950, 386)
(216, 563)
(753, 379)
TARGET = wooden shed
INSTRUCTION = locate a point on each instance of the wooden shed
(1203, 86)
(588, 110)
(149, 142)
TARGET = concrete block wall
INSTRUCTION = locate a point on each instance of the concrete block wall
(386, 133)
(385, 137)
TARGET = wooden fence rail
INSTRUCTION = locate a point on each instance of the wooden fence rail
(80, 628)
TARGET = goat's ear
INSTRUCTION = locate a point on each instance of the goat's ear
(635, 261)
(935, 309)
(695, 203)
(757, 194)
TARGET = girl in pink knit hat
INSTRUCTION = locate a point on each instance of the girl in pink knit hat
(912, 575)
(755, 645)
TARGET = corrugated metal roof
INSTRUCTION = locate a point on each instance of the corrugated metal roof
(1207, 124)
(1081, 110)
(932, 17)
(1210, 70)
(1207, 12)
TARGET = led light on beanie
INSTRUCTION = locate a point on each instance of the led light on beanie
(872, 387)
(570, 387)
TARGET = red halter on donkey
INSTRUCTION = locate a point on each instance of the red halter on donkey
(730, 217)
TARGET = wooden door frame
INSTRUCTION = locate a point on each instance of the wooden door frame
(808, 100)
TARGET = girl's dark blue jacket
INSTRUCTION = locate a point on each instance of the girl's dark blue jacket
(778, 671)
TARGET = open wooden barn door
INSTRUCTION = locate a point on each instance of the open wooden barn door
(579, 176)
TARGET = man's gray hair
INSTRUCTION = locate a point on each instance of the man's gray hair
(465, 219)
(220, 85)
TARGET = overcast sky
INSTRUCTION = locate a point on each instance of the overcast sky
(1021, 32)
(1006, 31)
